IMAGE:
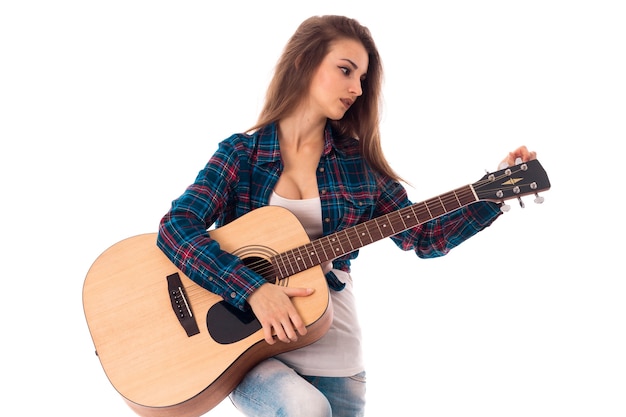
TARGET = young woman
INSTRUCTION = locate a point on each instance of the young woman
(315, 150)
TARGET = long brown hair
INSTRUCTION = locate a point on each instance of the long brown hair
(293, 73)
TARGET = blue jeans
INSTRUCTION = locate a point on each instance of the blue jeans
(273, 389)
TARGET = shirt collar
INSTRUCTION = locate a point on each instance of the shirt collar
(269, 149)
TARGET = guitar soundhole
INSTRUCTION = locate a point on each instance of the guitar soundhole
(264, 268)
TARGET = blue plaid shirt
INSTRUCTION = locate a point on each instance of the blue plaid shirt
(241, 175)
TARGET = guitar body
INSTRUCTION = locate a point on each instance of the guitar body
(148, 355)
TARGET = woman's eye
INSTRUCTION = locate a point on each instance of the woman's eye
(345, 70)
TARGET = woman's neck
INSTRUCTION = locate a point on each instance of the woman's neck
(300, 130)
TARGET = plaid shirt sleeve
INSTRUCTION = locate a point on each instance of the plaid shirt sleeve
(183, 235)
(438, 236)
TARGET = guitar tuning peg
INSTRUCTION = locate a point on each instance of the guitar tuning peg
(521, 202)
(504, 208)
(538, 199)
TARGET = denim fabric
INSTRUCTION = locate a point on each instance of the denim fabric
(272, 389)
(346, 395)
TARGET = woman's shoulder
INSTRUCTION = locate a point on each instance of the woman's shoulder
(258, 146)
(249, 137)
(239, 139)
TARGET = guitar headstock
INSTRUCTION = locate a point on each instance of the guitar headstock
(513, 182)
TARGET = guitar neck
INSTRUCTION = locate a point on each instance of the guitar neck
(348, 240)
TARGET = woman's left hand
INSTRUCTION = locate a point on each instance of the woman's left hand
(522, 153)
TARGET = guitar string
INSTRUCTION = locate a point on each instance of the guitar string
(265, 267)
(419, 210)
(343, 243)
(400, 214)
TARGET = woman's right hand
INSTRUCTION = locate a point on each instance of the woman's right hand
(273, 308)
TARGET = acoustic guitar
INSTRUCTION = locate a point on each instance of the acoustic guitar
(170, 347)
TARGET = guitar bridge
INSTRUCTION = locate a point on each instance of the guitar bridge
(181, 305)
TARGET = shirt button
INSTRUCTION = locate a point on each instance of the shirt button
(323, 192)
(233, 295)
(321, 169)
(327, 220)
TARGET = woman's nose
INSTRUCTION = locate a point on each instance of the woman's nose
(356, 88)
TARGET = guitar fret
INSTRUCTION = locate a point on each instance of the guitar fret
(435, 208)
(457, 199)
(430, 215)
(324, 242)
(310, 252)
(411, 214)
(358, 235)
(305, 256)
(301, 257)
(469, 196)
(282, 271)
(345, 241)
(396, 222)
(290, 264)
(367, 229)
(422, 211)
(401, 218)
(331, 245)
(443, 206)
(326, 257)
(319, 260)
(348, 240)
(298, 260)
(386, 225)
(380, 234)
(453, 199)
(353, 236)
(337, 250)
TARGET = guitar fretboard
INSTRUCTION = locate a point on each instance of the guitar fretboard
(348, 240)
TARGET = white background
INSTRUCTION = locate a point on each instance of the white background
(109, 109)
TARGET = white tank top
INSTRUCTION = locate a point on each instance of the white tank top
(338, 353)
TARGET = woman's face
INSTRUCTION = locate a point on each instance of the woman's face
(336, 84)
